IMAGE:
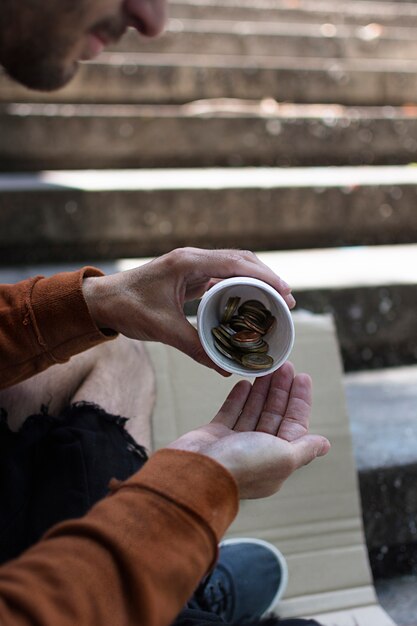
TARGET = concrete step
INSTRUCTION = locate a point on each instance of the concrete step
(382, 408)
(398, 596)
(179, 78)
(280, 39)
(117, 213)
(203, 134)
(321, 12)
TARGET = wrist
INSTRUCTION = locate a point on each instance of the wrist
(96, 296)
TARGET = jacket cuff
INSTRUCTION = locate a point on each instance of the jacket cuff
(195, 482)
(60, 315)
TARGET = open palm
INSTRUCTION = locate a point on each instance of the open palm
(260, 433)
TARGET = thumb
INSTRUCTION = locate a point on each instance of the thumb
(309, 447)
(188, 341)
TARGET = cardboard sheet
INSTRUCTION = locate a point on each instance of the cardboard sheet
(315, 520)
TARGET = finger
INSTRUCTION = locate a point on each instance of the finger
(276, 281)
(277, 400)
(228, 263)
(254, 404)
(297, 415)
(234, 403)
(307, 448)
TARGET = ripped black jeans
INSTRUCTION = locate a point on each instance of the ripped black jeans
(56, 467)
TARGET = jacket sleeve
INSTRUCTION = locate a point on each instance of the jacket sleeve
(44, 321)
(135, 558)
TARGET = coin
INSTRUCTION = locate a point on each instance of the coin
(245, 337)
(239, 335)
(264, 347)
(221, 330)
(226, 329)
(257, 361)
(220, 338)
(224, 350)
(231, 306)
(250, 324)
(256, 304)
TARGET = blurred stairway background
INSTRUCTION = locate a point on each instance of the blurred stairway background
(286, 126)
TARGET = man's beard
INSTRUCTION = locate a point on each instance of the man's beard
(37, 71)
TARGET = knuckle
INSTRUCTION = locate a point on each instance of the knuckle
(186, 253)
(176, 257)
(246, 254)
(237, 256)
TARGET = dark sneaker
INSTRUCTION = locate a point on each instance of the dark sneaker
(248, 581)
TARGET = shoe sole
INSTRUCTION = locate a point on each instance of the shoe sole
(280, 558)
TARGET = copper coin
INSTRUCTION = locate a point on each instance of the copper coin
(246, 336)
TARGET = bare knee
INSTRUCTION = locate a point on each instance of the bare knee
(116, 375)
(49, 390)
(122, 380)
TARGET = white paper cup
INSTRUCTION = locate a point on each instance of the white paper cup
(210, 311)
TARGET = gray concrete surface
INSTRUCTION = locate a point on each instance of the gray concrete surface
(223, 132)
(398, 596)
(56, 216)
(278, 39)
(383, 410)
(178, 78)
(325, 11)
(383, 413)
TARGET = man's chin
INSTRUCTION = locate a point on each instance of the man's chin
(42, 78)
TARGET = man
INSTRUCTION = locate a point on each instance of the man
(139, 554)
(41, 43)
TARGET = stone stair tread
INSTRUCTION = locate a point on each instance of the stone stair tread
(277, 39)
(269, 208)
(382, 409)
(214, 107)
(384, 13)
(238, 61)
(341, 6)
(201, 59)
(344, 9)
(366, 32)
(345, 268)
(398, 596)
(253, 133)
(359, 266)
(171, 78)
(313, 178)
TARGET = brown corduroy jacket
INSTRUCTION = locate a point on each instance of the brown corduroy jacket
(137, 556)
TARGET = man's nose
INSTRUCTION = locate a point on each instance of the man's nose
(147, 16)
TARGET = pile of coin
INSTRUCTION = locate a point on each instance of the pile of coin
(239, 336)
